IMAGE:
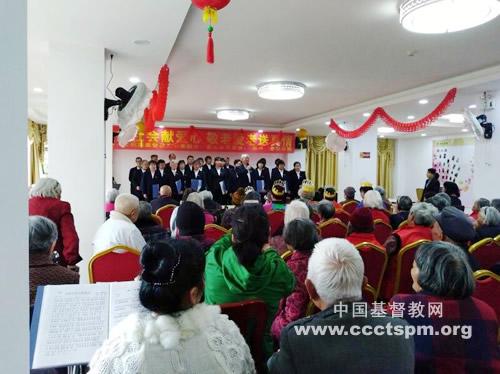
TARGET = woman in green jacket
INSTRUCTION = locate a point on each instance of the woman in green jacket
(243, 266)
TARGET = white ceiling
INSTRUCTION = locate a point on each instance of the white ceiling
(347, 52)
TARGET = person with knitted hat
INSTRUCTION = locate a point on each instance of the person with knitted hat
(190, 222)
(361, 228)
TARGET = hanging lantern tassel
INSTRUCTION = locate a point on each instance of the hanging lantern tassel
(210, 46)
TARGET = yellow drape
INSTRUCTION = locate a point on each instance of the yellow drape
(321, 163)
(385, 164)
(37, 138)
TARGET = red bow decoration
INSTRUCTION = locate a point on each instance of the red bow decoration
(158, 103)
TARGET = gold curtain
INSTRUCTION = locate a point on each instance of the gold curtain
(37, 137)
(321, 162)
(385, 164)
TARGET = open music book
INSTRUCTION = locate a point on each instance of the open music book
(70, 322)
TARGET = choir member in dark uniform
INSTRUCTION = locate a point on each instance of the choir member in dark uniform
(296, 177)
(154, 158)
(228, 163)
(198, 175)
(184, 175)
(261, 180)
(135, 176)
(207, 168)
(232, 178)
(244, 172)
(163, 172)
(189, 163)
(218, 184)
(279, 173)
(174, 180)
(432, 185)
(150, 184)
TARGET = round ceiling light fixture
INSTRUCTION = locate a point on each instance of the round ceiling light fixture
(283, 90)
(386, 130)
(454, 118)
(443, 16)
(233, 114)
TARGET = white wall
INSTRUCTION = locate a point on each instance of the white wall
(14, 313)
(76, 136)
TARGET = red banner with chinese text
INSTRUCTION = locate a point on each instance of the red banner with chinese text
(196, 139)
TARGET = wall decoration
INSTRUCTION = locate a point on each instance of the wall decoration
(220, 140)
(380, 113)
(453, 159)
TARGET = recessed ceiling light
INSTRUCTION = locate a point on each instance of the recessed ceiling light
(423, 134)
(386, 130)
(283, 90)
(233, 114)
(134, 80)
(297, 129)
(454, 118)
(411, 117)
(465, 130)
(473, 106)
(142, 42)
(327, 123)
(38, 90)
(423, 101)
(366, 114)
(442, 16)
(260, 131)
(381, 136)
(334, 132)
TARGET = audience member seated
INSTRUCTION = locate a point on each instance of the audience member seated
(457, 229)
(420, 225)
(404, 205)
(334, 281)
(45, 200)
(496, 204)
(196, 198)
(164, 199)
(180, 333)
(488, 223)
(387, 203)
(238, 197)
(212, 208)
(365, 187)
(452, 190)
(301, 236)
(111, 196)
(373, 200)
(439, 200)
(476, 208)
(295, 210)
(191, 224)
(252, 197)
(349, 195)
(306, 195)
(319, 194)
(278, 198)
(119, 229)
(330, 194)
(242, 266)
(361, 228)
(43, 271)
(150, 229)
(441, 276)
(326, 210)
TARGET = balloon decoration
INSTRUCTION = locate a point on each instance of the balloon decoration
(335, 143)
(380, 113)
(210, 8)
(302, 134)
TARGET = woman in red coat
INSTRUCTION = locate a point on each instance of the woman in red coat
(374, 201)
(45, 200)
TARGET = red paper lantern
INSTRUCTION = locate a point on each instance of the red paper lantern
(210, 8)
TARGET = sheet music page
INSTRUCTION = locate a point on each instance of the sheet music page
(73, 324)
(124, 300)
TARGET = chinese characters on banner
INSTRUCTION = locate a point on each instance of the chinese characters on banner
(195, 139)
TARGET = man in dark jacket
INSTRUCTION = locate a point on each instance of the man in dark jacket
(164, 199)
(135, 176)
(346, 336)
(244, 172)
(279, 173)
(218, 182)
(432, 185)
(295, 178)
(150, 183)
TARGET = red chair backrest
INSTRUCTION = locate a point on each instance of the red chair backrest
(333, 228)
(343, 216)
(369, 294)
(214, 232)
(111, 266)
(250, 316)
(350, 206)
(315, 218)
(403, 282)
(486, 252)
(165, 213)
(276, 221)
(382, 230)
(375, 259)
(488, 289)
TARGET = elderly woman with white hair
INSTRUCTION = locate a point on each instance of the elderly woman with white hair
(45, 200)
(334, 281)
(488, 223)
(111, 196)
(373, 200)
(295, 210)
(43, 271)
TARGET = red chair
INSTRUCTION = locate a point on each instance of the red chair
(375, 259)
(488, 289)
(157, 219)
(315, 218)
(403, 282)
(350, 206)
(215, 232)
(250, 316)
(165, 213)
(486, 252)
(382, 230)
(343, 216)
(286, 255)
(333, 228)
(369, 294)
(276, 221)
(117, 264)
(403, 224)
